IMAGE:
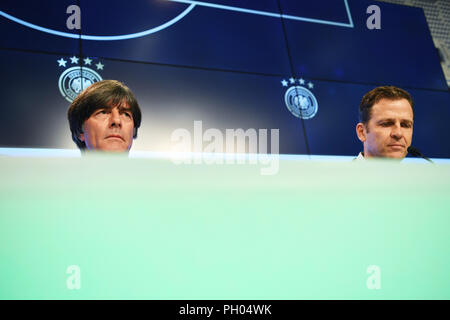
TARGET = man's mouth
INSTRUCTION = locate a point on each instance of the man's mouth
(396, 146)
(115, 136)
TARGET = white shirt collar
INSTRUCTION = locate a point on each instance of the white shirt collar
(360, 157)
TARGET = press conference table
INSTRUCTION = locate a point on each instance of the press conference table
(151, 229)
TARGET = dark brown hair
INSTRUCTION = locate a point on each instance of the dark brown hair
(106, 93)
(375, 95)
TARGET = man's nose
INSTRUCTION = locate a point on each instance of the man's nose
(115, 118)
(396, 132)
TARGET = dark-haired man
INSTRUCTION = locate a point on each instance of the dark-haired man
(386, 123)
(105, 117)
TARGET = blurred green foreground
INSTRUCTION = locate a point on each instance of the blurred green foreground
(151, 229)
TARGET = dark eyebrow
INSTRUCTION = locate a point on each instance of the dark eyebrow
(126, 111)
(124, 108)
(385, 120)
(109, 108)
(103, 108)
(393, 120)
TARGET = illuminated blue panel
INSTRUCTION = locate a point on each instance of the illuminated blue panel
(285, 15)
(342, 62)
(153, 31)
(191, 5)
(206, 37)
(328, 39)
(42, 14)
(393, 55)
(99, 38)
(173, 98)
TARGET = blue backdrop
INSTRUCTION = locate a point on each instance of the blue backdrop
(223, 62)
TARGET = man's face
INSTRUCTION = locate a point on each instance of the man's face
(389, 131)
(109, 129)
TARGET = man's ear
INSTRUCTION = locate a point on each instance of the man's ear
(361, 131)
(81, 136)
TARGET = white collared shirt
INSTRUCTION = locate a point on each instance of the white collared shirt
(359, 157)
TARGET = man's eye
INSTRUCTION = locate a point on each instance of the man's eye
(406, 125)
(385, 124)
(128, 114)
